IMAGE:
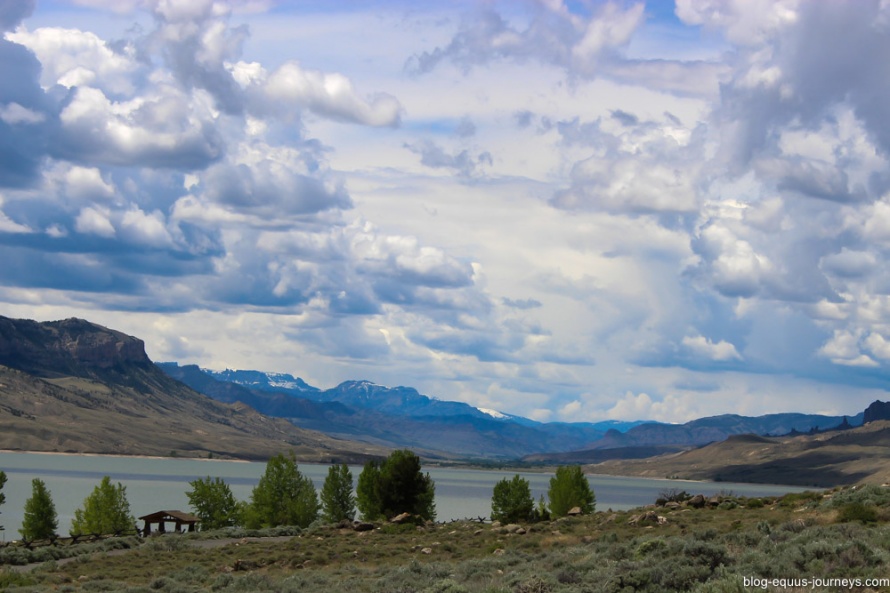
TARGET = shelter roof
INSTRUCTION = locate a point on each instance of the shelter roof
(170, 516)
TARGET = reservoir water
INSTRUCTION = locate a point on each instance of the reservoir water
(160, 484)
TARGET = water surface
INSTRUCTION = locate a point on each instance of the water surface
(160, 484)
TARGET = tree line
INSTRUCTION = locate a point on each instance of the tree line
(285, 496)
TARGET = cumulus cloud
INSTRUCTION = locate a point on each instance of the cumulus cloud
(330, 95)
(720, 351)
(720, 209)
(12, 12)
(642, 167)
(554, 35)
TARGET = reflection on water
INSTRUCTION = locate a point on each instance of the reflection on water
(160, 484)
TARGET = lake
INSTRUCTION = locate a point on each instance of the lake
(161, 484)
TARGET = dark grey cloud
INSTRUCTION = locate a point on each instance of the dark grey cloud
(25, 114)
(269, 187)
(13, 12)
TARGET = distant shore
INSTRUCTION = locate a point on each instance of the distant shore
(124, 456)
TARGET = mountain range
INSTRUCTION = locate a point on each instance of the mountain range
(391, 416)
(74, 386)
(402, 417)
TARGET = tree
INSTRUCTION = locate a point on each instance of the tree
(396, 486)
(512, 500)
(337, 500)
(213, 502)
(2, 496)
(40, 520)
(368, 492)
(569, 488)
(105, 511)
(283, 496)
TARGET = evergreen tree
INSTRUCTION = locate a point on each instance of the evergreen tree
(569, 488)
(512, 501)
(396, 486)
(105, 511)
(212, 501)
(283, 496)
(40, 520)
(337, 500)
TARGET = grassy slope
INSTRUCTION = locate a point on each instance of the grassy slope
(847, 457)
(72, 414)
(700, 550)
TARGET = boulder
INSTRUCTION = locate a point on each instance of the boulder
(696, 502)
(647, 518)
(574, 512)
(403, 518)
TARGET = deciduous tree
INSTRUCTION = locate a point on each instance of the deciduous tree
(105, 511)
(569, 488)
(212, 501)
(40, 520)
(283, 496)
(337, 500)
(512, 501)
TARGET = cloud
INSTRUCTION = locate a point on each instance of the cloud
(328, 95)
(719, 351)
(74, 58)
(681, 215)
(554, 35)
(463, 163)
(12, 12)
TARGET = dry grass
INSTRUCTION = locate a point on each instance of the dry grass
(695, 550)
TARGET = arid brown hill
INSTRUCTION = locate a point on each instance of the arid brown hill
(74, 386)
(822, 460)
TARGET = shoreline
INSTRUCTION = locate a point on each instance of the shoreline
(120, 456)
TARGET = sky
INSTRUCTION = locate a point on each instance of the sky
(570, 211)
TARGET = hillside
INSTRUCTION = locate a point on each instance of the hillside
(860, 454)
(73, 386)
(649, 439)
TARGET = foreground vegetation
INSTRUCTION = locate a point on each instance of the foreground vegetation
(842, 534)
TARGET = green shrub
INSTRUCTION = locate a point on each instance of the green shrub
(857, 511)
(869, 495)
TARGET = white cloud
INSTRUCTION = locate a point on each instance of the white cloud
(14, 114)
(720, 351)
(92, 221)
(728, 199)
(290, 87)
(75, 58)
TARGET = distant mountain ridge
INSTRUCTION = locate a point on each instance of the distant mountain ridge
(401, 416)
(388, 416)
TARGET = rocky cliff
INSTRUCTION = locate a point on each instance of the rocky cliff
(67, 347)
